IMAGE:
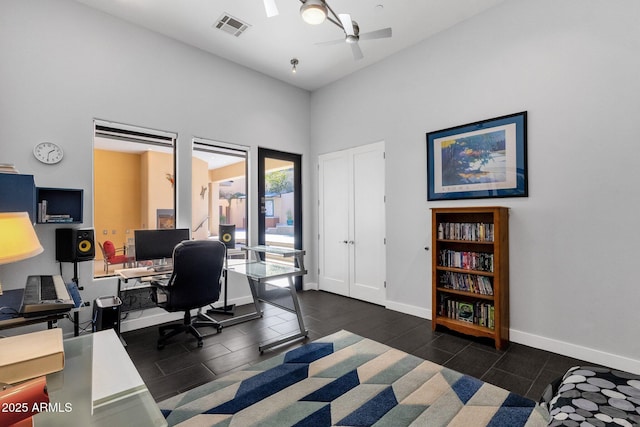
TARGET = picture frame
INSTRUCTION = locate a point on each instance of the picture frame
(484, 159)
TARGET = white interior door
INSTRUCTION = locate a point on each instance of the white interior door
(352, 255)
(367, 237)
(334, 223)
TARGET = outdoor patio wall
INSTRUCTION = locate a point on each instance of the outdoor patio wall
(64, 64)
(574, 66)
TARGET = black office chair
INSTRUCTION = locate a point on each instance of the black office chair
(194, 283)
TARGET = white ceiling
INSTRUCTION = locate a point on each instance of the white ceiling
(270, 43)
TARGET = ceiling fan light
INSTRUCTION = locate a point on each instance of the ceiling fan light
(313, 12)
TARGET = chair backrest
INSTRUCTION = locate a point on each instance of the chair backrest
(197, 268)
(109, 248)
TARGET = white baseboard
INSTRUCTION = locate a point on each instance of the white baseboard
(576, 351)
(409, 309)
(543, 343)
(154, 316)
(310, 286)
(139, 319)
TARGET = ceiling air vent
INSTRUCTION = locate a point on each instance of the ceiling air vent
(231, 25)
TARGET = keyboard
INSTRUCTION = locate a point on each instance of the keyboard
(45, 295)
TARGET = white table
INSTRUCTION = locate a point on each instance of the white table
(99, 386)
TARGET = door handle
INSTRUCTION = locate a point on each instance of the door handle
(344, 241)
(351, 242)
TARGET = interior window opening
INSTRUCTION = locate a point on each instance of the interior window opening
(220, 189)
(134, 189)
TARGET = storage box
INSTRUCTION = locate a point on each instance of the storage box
(31, 355)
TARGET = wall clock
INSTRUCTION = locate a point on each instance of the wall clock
(48, 153)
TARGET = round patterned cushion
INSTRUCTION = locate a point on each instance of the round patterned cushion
(599, 397)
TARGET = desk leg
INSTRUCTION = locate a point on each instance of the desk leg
(76, 324)
(245, 317)
(303, 331)
(225, 309)
(120, 313)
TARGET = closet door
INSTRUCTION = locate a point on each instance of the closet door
(367, 235)
(352, 256)
(333, 221)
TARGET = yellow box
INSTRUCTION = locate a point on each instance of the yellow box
(27, 356)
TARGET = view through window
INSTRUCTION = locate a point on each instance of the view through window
(134, 189)
(219, 208)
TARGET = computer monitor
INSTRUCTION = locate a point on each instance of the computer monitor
(158, 244)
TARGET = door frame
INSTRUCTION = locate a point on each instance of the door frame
(348, 284)
(296, 159)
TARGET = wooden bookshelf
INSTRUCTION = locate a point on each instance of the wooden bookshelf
(470, 271)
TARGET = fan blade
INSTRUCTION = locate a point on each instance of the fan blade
(378, 34)
(271, 8)
(347, 24)
(357, 52)
(330, 42)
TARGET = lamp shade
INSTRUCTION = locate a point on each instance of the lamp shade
(313, 12)
(18, 239)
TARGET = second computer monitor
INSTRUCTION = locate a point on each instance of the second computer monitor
(158, 244)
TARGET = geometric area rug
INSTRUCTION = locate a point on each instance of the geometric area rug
(347, 380)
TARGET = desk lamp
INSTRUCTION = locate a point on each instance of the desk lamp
(18, 239)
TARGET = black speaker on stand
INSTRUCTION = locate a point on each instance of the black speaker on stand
(75, 245)
(227, 235)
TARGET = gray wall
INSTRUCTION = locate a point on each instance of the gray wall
(63, 64)
(574, 66)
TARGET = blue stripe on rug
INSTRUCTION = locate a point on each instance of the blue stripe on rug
(263, 385)
(510, 416)
(516, 400)
(309, 353)
(320, 418)
(334, 389)
(466, 387)
(370, 412)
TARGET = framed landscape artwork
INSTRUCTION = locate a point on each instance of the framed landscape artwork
(479, 160)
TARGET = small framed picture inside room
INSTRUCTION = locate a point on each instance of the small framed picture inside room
(483, 159)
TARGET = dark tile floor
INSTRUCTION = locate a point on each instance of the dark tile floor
(181, 365)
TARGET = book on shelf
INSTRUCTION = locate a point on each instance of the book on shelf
(466, 260)
(42, 210)
(44, 216)
(58, 218)
(478, 313)
(465, 311)
(474, 283)
(474, 232)
(8, 168)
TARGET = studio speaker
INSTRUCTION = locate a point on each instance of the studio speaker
(227, 233)
(75, 244)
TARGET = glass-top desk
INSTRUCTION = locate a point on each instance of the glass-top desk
(269, 282)
(99, 386)
(267, 285)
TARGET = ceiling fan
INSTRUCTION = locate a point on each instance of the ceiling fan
(353, 36)
(271, 8)
(317, 11)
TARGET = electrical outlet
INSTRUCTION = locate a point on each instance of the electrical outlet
(105, 231)
(113, 231)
